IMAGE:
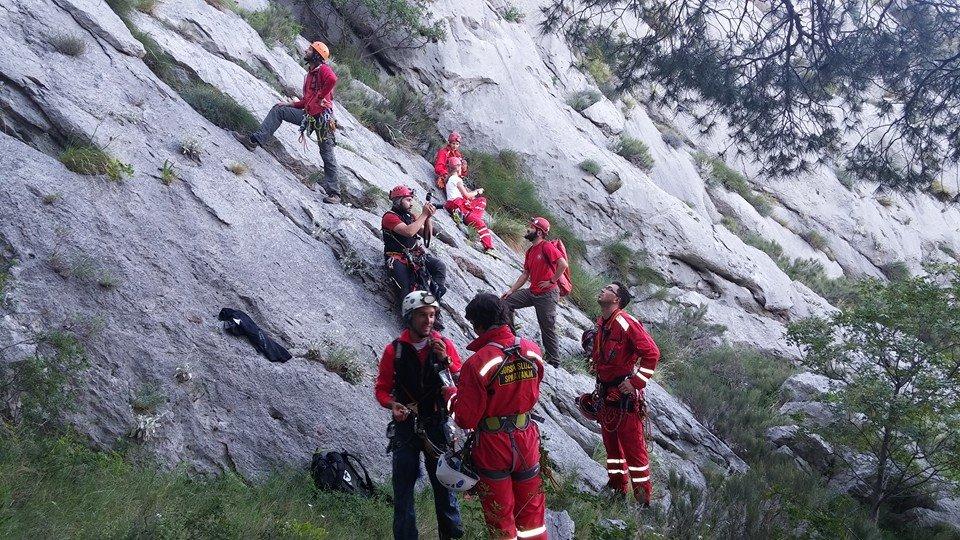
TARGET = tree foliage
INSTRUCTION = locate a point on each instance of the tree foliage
(799, 83)
(896, 354)
(391, 24)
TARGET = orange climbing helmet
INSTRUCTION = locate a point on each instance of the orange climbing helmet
(321, 49)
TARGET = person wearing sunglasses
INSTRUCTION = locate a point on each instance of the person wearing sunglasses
(415, 371)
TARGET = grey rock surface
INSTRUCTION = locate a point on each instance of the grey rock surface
(308, 273)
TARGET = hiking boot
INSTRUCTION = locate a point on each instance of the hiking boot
(247, 141)
(332, 199)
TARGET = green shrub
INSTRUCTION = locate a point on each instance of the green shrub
(68, 44)
(629, 265)
(585, 289)
(734, 181)
(590, 166)
(359, 68)
(770, 247)
(123, 8)
(43, 383)
(274, 24)
(219, 108)
(508, 191)
(634, 151)
(583, 99)
(159, 61)
(90, 159)
(344, 362)
(512, 14)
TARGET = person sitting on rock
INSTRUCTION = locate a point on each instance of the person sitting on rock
(410, 383)
(452, 149)
(314, 112)
(466, 206)
(408, 262)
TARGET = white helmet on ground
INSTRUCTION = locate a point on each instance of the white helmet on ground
(453, 473)
(417, 300)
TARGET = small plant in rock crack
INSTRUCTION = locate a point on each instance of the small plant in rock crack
(184, 372)
(191, 148)
(107, 280)
(512, 14)
(353, 264)
(344, 362)
(51, 198)
(85, 157)
(147, 427)
(238, 168)
(147, 398)
(590, 166)
(168, 173)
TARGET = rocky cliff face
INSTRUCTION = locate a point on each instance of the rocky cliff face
(310, 273)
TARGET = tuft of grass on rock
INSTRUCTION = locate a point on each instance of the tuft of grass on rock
(192, 148)
(219, 108)
(583, 99)
(275, 24)
(633, 150)
(238, 168)
(585, 289)
(52, 198)
(147, 6)
(68, 44)
(590, 166)
(344, 362)
(87, 158)
(512, 14)
(168, 173)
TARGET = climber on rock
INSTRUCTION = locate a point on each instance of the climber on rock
(466, 205)
(414, 370)
(624, 357)
(451, 149)
(314, 112)
(544, 265)
(408, 262)
(498, 389)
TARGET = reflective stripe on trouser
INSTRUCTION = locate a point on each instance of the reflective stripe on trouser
(511, 506)
(475, 220)
(627, 458)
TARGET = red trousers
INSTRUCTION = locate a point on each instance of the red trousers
(627, 460)
(510, 487)
(472, 213)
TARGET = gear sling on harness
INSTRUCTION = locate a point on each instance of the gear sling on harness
(508, 424)
(429, 405)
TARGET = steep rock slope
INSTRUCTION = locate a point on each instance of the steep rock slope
(173, 255)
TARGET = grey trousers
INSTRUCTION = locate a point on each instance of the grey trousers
(546, 307)
(281, 113)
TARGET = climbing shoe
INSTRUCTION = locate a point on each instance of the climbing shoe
(247, 141)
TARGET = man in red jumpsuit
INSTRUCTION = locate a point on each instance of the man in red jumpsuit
(499, 386)
(452, 149)
(624, 358)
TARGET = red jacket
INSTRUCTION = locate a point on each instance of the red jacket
(513, 393)
(317, 90)
(623, 347)
(384, 386)
(440, 164)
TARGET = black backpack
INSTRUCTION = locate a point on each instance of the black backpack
(340, 471)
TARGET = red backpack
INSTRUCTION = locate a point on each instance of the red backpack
(565, 284)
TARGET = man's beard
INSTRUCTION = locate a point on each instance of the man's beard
(530, 236)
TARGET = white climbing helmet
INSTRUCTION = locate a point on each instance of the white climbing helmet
(417, 300)
(453, 473)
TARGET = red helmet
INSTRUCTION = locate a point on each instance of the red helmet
(454, 137)
(588, 405)
(586, 340)
(541, 224)
(400, 191)
(454, 162)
